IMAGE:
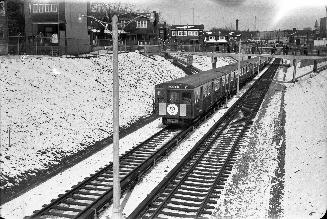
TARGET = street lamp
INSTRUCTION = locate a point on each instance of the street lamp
(116, 211)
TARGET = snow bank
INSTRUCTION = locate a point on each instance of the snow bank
(306, 152)
(55, 107)
(204, 62)
(248, 193)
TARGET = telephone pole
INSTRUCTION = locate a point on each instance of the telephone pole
(193, 15)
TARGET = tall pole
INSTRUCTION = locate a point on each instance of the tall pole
(239, 67)
(58, 27)
(116, 211)
(193, 15)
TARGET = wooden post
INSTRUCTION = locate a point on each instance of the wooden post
(18, 46)
(259, 65)
(315, 66)
(116, 211)
(294, 72)
(9, 135)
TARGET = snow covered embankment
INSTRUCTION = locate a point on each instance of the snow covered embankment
(304, 177)
(305, 194)
(56, 107)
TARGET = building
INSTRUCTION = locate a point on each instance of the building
(215, 41)
(56, 24)
(187, 34)
(3, 29)
(323, 27)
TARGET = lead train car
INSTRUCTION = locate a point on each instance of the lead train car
(182, 100)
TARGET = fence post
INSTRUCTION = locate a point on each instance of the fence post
(294, 72)
(314, 65)
(18, 46)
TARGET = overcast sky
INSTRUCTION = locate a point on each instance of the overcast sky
(270, 14)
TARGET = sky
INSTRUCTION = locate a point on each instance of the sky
(252, 14)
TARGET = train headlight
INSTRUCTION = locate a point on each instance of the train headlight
(172, 109)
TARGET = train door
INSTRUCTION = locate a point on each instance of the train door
(220, 87)
(212, 93)
(201, 98)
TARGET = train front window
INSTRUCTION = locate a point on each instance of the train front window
(173, 97)
(161, 96)
(186, 97)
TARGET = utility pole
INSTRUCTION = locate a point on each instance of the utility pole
(255, 23)
(239, 68)
(116, 211)
(193, 15)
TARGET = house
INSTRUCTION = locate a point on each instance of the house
(215, 41)
(3, 29)
(134, 28)
(56, 24)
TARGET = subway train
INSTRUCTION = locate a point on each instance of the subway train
(182, 100)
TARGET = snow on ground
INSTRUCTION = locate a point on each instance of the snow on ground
(55, 107)
(305, 194)
(32, 200)
(204, 62)
(248, 193)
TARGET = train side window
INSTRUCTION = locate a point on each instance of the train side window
(173, 97)
(217, 84)
(186, 97)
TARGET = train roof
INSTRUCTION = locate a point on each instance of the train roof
(196, 80)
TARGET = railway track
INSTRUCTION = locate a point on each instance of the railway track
(193, 186)
(87, 198)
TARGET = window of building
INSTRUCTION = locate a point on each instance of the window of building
(211, 37)
(35, 8)
(196, 33)
(54, 8)
(44, 8)
(173, 33)
(41, 8)
(123, 23)
(180, 33)
(2, 8)
(142, 24)
(47, 8)
(2, 34)
(185, 33)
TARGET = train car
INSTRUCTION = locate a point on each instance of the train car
(182, 100)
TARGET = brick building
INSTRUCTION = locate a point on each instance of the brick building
(3, 29)
(56, 24)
